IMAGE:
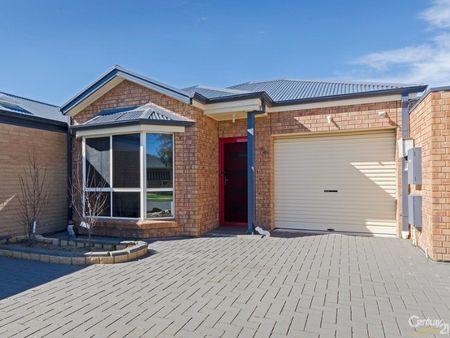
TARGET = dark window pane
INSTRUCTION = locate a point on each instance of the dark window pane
(159, 204)
(126, 173)
(97, 162)
(98, 204)
(159, 161)
(126, 204)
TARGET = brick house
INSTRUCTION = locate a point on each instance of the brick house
(27, 127)
(317, 156)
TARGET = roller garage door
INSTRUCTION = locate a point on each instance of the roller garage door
(340, 182)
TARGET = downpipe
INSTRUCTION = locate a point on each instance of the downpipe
(251, 191)
(405, 191)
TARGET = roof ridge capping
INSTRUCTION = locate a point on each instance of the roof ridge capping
(146, 110)
(352, 82)
(220, 89)
(119, 71)
(379, 83)
(150, 106)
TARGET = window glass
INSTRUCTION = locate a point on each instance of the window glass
(97, 162)
(159, 204)
(126, 162)
(126, 204)
(98, 203)
(114, 193)
(159, 159)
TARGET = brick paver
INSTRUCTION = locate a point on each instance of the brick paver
(327, 286)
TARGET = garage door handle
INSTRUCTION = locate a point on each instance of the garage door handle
(330, 191)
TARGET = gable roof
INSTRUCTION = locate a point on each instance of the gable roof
(118, 72)
(22, 106)
(149, 113)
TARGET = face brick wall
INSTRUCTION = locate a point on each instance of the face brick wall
(51, 149)
(207, 173)
(196, 165)
(430, 129)
(345, 118)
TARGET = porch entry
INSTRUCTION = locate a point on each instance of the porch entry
(233, 181)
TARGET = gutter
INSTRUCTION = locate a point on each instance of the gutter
(405, 90)
(32, 121)
(428, 91)
(132, 123)
(234, 97)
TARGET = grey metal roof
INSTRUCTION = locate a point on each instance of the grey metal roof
(288, 90)
(284, 91)
(273, 92)
(19, 105)
(149, 113)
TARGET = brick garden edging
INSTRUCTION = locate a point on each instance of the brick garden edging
(113, 253)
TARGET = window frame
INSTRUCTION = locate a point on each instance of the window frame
(146, 190)
(143, 177)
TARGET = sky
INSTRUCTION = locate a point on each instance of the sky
(51, 49)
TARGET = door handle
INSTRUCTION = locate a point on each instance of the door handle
(330, 190)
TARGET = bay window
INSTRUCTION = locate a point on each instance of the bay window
(134, 171)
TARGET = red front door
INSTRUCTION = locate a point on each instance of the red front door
(233, 181)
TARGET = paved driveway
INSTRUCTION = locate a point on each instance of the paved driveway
(328, 285)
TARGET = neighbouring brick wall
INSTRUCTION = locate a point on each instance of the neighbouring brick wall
(345, 118)
(196, 162)
(16, 143)
(430, 129)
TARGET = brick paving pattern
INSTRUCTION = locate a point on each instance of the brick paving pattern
(327, 286)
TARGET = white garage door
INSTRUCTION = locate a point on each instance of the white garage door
(340, 182)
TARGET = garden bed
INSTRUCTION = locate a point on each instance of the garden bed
(55, 250)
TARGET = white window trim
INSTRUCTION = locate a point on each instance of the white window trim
(143, 174)
(143, 177)
(135, 129)
(161, 189)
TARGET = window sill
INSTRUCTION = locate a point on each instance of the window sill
(159, 219)
(137, 223)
